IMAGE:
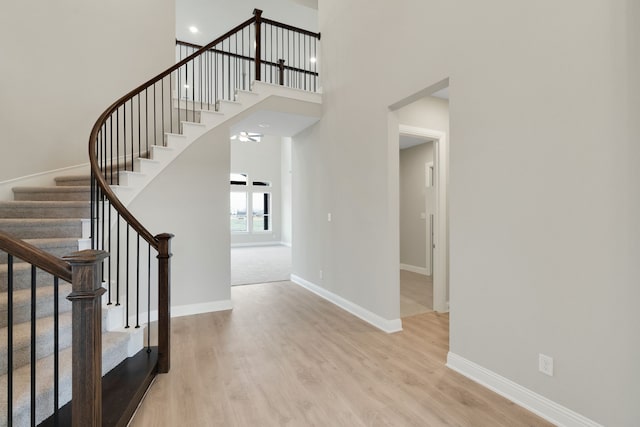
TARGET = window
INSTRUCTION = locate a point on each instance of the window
(249, 197)
(261, 208)
(238, 179)
(238, 212)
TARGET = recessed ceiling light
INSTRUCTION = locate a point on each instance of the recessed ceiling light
(312, 59)
(193, 29)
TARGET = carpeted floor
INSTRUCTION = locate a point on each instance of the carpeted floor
(416, 293)
(260, 264)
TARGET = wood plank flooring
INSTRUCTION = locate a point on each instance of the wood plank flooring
(286, 357)
(416, 293)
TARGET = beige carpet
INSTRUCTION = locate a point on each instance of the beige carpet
(260, 264)
(416, 293)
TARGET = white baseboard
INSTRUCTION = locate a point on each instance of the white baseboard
(186, 310)
(205, 307)
(539, 405)
(287, 244)
(39, 179)
(414, 269)
(250, 244)
(385, 325)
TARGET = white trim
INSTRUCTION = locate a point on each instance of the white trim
(287, 244)
(440, 253)
(205, 307)
(388, 326)
(539, 405)
(39, 179)
(414, 269)
(186, 310)
(249, 244)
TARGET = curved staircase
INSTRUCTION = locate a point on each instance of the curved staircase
(130, 144)
(50, 218)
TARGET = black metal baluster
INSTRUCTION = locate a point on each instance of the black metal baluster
(138, 281)
(170, 109)
(289, 61)
(146, 117)
(229, 95)
(244, 78)
(56, 349)
(33, 346)
(124, 137)
(117, 145)
(132, 138)
(109, 302)
(126, 297)
(139, 132)
(193, 90)
(155, 124)
(118, 259)
(299, 60)
(217, 74)
(9, 340)
(149, 301)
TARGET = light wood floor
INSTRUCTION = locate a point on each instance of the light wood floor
(284, 356)
(416, 293)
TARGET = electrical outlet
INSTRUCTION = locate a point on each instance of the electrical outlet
(321, 274)
(545, 364)
(329, 217)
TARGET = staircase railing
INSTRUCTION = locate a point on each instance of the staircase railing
(81, 269)
(126, 132)
(268, 51)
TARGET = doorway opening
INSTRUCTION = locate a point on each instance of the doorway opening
(417, 207)
(260, 208)
(422, 123)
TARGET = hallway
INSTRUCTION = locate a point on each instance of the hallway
(284, 356)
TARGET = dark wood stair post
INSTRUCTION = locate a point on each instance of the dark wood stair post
(86, 301)
(281, 71)
(258, 14)
(164, 302)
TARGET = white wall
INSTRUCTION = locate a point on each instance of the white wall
(261, 162)
(214, 18)
(190, 199)
(414, 200)
(64, 63)
(544, 183)
(286, 194)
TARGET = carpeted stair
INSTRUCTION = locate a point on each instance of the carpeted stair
(49, 218)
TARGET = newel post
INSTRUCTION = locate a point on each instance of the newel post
(86, 301)
(281, 71)
(164, 302)
(258, 61)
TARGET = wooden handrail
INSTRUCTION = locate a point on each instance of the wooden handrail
(249, 58)
(93, 159)
(35, 256)
(291, 28)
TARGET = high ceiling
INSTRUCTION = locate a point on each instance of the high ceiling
(213, 18)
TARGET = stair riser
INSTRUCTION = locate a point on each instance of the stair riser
(22, 279)
(44, 347)
(43, 231)
(49, 212)
(44, 308)
(75, 182)
(84, 195)
(59, 251)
